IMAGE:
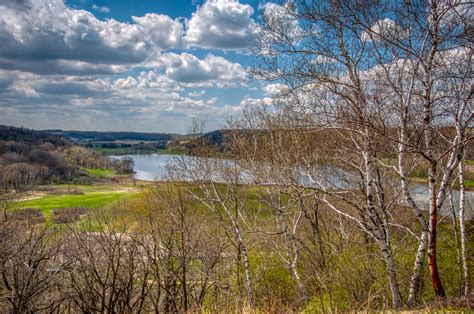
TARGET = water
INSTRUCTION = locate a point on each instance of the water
(156, 167)
(150, 167)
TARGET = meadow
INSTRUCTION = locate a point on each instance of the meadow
(106, 188)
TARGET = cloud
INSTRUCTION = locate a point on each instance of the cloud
(52, 38)
(279, 17)
(145, 101)
(6, 80)
(62, 67)
(385, 28)
(101, 9)
(195, 93)
(20, 88)
(248, 101)
(225, 24)
(16, 4)
(187, 68)
(275, 89)
(66, 88)
(146, 83)
(160, 29)
(50, 30)
(456, 13)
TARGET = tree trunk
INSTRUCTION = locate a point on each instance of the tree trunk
(397, 301)
(462, 228)
(292, 251)
(435, 278)
(415, 281)
(456, 238)
(244, 254)
(423, 242)
(248, 274)
(381, 232)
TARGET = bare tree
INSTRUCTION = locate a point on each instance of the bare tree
(174, 238)
(220, 190)
(31, 267)
(342, 62)
(324, 77)
(108, 272)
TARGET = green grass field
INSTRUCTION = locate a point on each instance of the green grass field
(91, 200)
(469, 162)
(101, 173)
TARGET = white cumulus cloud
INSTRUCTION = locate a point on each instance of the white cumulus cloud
(225, 24)
(187, 68)
(160, 29)
(48, 30)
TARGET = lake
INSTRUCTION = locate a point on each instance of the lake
(151, 167)
(155, 167)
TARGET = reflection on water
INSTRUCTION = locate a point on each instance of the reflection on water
(151, 166)
(155, 167)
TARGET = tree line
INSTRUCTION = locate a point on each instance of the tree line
(28, 158)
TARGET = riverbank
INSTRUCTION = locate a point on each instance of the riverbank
(121, 151)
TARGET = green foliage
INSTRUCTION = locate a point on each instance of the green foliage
(469, 162)
(334, 301)
(273, 281)
(469, 183)
(353, 274)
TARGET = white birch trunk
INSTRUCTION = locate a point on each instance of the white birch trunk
(379, 227)
(292, 250)
(423, 242)
(397, 301)
(462, 230)
(248, 273)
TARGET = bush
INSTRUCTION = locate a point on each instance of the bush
(29, 215)
(68, 215)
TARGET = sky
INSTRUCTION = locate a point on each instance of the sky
(126, 65)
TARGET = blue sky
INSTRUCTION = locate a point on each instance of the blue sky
(148, 65)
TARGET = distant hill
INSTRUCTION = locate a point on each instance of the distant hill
(189, 143)
(117, 136)
(218, 140)
(11, 133)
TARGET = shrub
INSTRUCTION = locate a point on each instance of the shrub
(68, 215)
(29, 215)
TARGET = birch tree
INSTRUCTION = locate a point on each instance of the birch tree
(324, 74)
(343, 62)
(422, 51)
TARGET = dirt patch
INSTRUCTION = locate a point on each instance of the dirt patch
(29, 196)
(126, 190)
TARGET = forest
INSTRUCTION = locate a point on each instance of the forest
(29, 158)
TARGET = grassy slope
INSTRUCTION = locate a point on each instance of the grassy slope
(102, 193)
(101, 173)
(420, 173)
(91, 200)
